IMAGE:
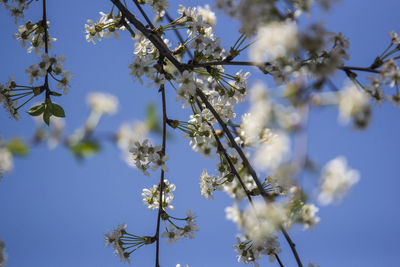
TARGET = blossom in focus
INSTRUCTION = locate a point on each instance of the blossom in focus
(103, 103)
(337, 179)
(275, 40)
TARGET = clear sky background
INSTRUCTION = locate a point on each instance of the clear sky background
(54, 210)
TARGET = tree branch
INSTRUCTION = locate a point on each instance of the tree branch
(164, 135)
(165, 52)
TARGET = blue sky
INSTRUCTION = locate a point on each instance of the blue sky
(54, 210)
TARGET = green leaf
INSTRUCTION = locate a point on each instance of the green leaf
(17, 147)
(85, 148)
(37, 110)
(47, 114)
(57, 110)
(151, 118)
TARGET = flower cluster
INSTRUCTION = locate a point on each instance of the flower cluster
(209, 183)
(174, 232)
(16, 11)
(151, 197)
(9, 97)
(52, 66)
(248, 251)
(124, 244)
(127, 135)
(107, 25)
(34, 34)
(144, 154)
(159, 6)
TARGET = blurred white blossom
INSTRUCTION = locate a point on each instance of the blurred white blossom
(103, 103)
(276, 39)
(337, 179)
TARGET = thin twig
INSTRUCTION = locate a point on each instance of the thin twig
(222, 62)
(46, 47)
(347, 68)
(164, 134)
(222, 149)
(179, 36)
(278, 259)
(144, 14)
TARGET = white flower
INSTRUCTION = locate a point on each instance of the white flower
(353, 103)
(187, 83)
(159, 6)
(34, 73)
(64, 81)
(103, 103)
(144, 47)
(276, 39)
(158, 161)
(151, 198)
(262, 220)
(395, 37)
(209, 184)
(234, 214)
(310, 264)
(207, 15)
(172, 236)
(273, 151)
(6, 161)
(308, 215)
(337, 179)
(259, 115)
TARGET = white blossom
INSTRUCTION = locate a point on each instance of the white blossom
(6, 161)
(151, 197)
(276, 39)
(353, 103)
(337, 179)
(103, 103)
(308, 216)
(274, 149)
(208, 184)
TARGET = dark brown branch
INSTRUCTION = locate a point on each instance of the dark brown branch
(46, 48)
(278, 259)
(44, 21)
(349, 68)
(235, 63)
(160, 207)
(222, 149)
(153, 37)
(292, 245)
(165, 52)
(263, 64)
